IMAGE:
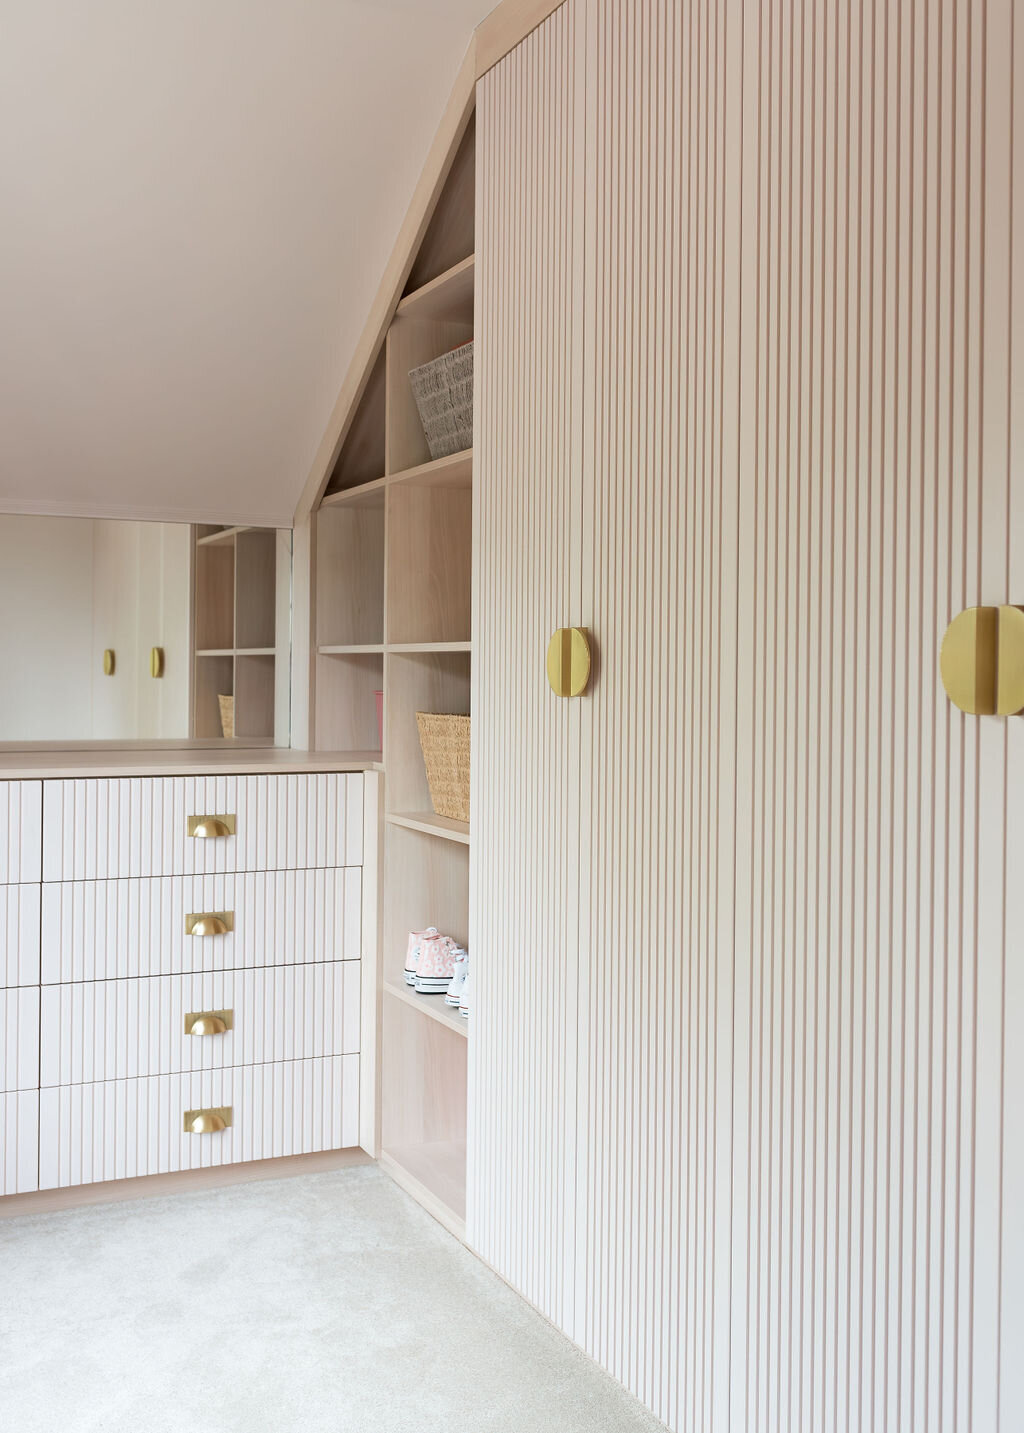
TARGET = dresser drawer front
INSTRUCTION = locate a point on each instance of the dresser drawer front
(19, 1142)
(19, 1038)
(19, 934)
(99, 829)
(103, 930)
(124, 1128)
(21, 817)
(127, 1029)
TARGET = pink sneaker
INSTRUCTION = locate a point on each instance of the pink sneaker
(436, 964)
(412, 951)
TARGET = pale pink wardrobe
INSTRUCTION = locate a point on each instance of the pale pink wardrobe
(745, 1075)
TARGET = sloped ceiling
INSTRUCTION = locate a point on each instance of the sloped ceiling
(197, 202)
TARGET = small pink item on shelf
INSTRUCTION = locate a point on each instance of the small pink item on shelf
(436, 964)
(412, 951)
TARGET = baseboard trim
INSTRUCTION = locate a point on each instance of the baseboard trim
(149, 1186)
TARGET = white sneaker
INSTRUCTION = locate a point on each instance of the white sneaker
(464, 997)
(454, 994)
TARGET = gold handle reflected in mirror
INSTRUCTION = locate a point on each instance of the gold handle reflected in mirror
(209, 828)
(209, 1022)
(207, 1121)
(210, 923)
(109, 662)
(156, 661)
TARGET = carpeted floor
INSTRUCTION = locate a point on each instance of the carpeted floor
(326, 1302)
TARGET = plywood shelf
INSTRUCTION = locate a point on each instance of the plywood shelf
(455, 471)
(432, 1006)
(223, 536)
(353, 650)
(449, 296)
(430, 824)
(392, 593)
(365, 495)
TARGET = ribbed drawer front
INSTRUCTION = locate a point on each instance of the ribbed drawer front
(99, 829)
(19, 1038)
(19, 1142)
(21, 807)
(101, 930)
(19, 934)
(125, 1029)
(123, 1128)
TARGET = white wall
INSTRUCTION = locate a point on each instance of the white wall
(46, 637)
(71, 587)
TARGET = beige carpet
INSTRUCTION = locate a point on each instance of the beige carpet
(325, 1302)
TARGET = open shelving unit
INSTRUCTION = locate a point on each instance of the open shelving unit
(392, 588)
(241, 638)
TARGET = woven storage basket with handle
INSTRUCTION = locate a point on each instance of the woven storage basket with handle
(445, 743)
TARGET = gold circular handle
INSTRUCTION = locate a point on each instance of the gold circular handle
(209, 828)
(208, 1123)
(568, 662)
(209, 925)
(208, 1025)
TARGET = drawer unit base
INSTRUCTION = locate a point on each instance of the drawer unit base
(120, 1129)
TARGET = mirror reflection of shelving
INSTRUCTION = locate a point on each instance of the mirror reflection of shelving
(241, 633)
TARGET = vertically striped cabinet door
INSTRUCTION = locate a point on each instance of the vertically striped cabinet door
(101, 930)
(120, 1129)
(19, 1142)
(123, 1029)
(100, 828)
(21, 804)
(19, 935)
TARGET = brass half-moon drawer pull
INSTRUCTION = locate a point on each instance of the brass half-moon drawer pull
(208, 828)
(210, 923)
(207, 1121)
(209, 1022)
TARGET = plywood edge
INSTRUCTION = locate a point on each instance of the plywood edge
(507, 26)
(435, 171)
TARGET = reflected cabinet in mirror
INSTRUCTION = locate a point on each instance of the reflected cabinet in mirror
(143, 631)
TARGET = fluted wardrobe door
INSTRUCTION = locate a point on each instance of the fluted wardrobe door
(746, 1063)
(526, 746)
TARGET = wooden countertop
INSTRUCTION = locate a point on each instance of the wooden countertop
(107, 760)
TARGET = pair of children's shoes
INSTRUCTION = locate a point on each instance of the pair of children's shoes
(435, 964)
(430, 961)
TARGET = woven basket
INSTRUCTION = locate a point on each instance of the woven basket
(443, 389)
(445, 743)
(227, 715)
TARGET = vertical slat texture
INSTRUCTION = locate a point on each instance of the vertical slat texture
(527, 493)
(19, 1142)
(19, 935)
(20, 831)
(19, 1038)
(744, 1068)
(137, 827)
(97, 930)
(121, 1129)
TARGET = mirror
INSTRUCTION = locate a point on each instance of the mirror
(143, 631)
